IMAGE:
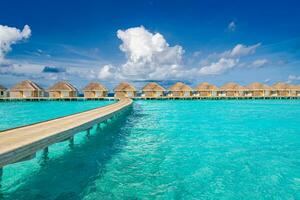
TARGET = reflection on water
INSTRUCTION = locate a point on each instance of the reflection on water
(65, 171)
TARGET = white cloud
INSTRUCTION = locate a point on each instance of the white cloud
(259, 62)
(242, 50)
(149, 55)
(293, 78)
(219, 67)
(229, 60)
(10, 36)
(231, 26)
(107, 72)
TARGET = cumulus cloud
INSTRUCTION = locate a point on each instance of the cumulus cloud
(231, 26)
(259, 62)
(242, 50)
(148, 54)
(10, 36)
(219, 67)
(229, 60)
(108, 72)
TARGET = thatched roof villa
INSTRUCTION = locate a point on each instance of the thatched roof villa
(3, 91)
(125, 89)
(280, 89)
(257, 89)
(294, 90)
(95, 90)
(62, 89)
(153, 90)
(232, 89)
(180, 89)
(26, 89)
(206, 90)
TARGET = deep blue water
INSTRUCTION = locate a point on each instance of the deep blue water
(173, 150)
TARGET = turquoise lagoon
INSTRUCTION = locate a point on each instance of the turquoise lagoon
(226, 149)
(19, 113)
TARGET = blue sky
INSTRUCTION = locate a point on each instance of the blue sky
(137, 41)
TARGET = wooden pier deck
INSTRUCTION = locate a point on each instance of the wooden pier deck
(23, 142)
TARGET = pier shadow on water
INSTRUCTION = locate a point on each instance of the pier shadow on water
(67, 176)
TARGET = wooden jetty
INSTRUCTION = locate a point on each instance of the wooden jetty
(22, 143)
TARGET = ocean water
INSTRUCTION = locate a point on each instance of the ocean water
(233, 149)
(19, 113)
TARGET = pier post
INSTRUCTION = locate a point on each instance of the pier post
(71, 142)
(45, 153)
(98, 125)
(1, 174)
(88, 133)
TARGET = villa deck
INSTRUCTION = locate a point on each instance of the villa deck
(22, 143)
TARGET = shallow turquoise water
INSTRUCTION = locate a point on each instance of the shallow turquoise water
(173, 150)
(20, 113)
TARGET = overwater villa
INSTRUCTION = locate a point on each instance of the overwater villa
(258, 90)
(281, 89)
(180, 89)
(294, 90)
(232, 89)
(153, 90)
(125, 90)
(26, 89)
(62, 89)
(3, 91)
(95, 90)
(206, 90)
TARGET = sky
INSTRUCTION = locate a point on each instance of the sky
(140, 41)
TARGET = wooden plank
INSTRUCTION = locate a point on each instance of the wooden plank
(19, 143)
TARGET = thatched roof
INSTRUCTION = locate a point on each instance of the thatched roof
(26, 85)
(124, 87)
(2, 88)
(62, 86)
(294, 87)
(153, 87)
(95, 87)
(281, 86)
(206, 87)
(179, 86)
(231, 86)
(258, 86)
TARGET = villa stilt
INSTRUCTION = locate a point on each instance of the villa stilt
(258, 90)
(206, 90)
(180, 89)
(62, 89)
(280, 89)
(95, 90)
(125, 90)
(153, 90)
(232, 89)
(26, 89)
(3, 92)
